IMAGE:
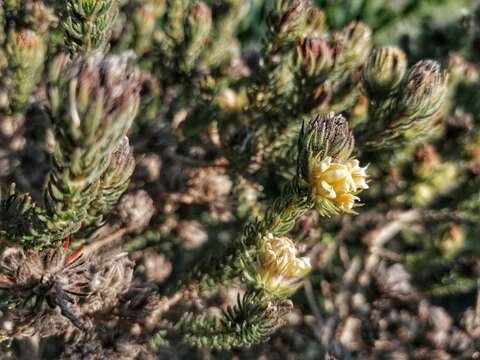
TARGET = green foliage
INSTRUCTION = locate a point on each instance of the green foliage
(249, 133)
(88, 24)
(249, 322)
(20, 217)
(90, 125)
(93, 103)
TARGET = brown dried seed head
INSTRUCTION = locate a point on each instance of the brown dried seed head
(136, 209)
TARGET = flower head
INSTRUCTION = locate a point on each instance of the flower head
(326, 166)
(279, 270)
(78, 282)
(335, 184)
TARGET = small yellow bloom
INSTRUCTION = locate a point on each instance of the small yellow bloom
(230, 100)
(280, 269)
(337, 183)
(359, 174)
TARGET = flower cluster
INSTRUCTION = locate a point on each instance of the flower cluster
(280, 270)
(337, 183)
(326, 165)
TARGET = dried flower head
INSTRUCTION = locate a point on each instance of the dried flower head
(191, 234)
(77, 282)
(136, 209)
(40, 16)
(279, 270)
(394, 281)
(335, 184)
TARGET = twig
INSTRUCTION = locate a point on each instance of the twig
(163, 306)
(307, 286)
(107, 240)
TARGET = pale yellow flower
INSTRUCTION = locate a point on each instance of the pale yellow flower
(359, 174)
(229, 100)
(337, 183)
(280, 270)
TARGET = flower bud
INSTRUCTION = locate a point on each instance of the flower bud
(25, 47)
(40, 16)
(122, 162)
(144, 18)
(315, 21)
(199, 15)
(425, 89)
(461, 70)
(198, 25)
(354, 44)
(25, 52)
(97, 100)
(326, 135)
(384, 71)
(159, 7)
(287, 21)
(314, 57)
(113, 182)
(451, 241)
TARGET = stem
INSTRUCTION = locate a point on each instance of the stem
(163, 306)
